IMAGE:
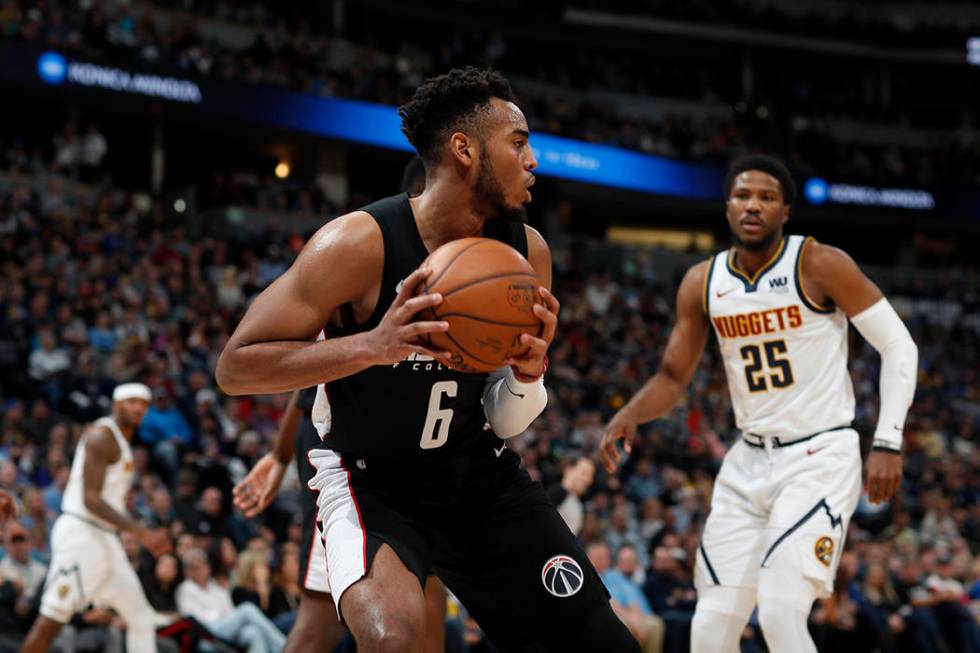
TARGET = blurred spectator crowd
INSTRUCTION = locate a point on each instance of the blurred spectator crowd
(639, 100)
(99, 287)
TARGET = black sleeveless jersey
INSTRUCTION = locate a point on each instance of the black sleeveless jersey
(415, 412)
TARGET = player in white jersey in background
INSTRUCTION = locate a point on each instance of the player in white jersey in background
(786, 491)
(88, 563)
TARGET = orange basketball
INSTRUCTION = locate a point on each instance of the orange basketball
(487, 290)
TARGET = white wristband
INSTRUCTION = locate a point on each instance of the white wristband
(511, 405)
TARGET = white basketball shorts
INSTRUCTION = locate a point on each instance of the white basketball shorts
(781, 510)
(88, 566)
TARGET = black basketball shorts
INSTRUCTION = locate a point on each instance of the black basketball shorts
(487, 530)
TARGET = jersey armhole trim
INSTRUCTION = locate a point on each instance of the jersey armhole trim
(706, 286)
(807, 301)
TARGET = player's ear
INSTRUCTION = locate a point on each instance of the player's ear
(786, 209)
(463, 149)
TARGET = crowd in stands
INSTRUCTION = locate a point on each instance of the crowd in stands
(790, 114)
(99, 287)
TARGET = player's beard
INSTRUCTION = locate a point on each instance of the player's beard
(489, 191)
(760, 245)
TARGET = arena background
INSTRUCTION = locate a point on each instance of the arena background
(162, 162)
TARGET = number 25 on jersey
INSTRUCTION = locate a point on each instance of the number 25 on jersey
(778, 373)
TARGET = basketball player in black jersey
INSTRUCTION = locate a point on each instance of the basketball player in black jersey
(409, 480)
(317, 628)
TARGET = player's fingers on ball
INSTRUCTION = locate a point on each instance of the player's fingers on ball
(418, 328)
(416, 304)
(443, 356)
(536, 345)
(551, 302)
(411, 283)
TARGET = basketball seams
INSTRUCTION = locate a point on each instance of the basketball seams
(493, 277)
(475, 318)
(522, 278)
(426, 285)
(467, 351)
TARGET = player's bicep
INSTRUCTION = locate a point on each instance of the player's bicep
(840, 278)
(690, 333)
(99, 450)
(283, 311)
(334, 268)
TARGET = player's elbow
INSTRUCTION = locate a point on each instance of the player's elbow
(91, 500)
(227, 373)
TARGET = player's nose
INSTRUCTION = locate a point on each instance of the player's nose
(531, 162)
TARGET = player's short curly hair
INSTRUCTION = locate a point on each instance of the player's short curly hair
(449, 103)
(767, 164)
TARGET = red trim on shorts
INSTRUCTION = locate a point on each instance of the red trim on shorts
(360, 518)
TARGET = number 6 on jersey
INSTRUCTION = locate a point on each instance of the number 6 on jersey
(436, 429)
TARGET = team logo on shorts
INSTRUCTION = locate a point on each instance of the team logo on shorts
(824, 550)
(562, 576)
(63, 591)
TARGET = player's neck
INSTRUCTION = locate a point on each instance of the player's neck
(749, 261)
(444, 213)
(125, 430)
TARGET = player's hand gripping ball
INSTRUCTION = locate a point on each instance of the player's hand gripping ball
(488, 292)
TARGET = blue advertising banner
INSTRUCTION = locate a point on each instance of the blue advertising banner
(360, 122)
(379, 125)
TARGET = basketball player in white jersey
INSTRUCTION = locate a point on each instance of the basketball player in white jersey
(779, 306)
(88, 563)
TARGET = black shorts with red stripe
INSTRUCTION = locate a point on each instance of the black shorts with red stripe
(490, 533)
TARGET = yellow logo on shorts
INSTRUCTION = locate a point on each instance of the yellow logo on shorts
(824, 550)
(63, 591)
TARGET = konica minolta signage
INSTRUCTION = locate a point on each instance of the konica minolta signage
(54, 69)
(819, 191)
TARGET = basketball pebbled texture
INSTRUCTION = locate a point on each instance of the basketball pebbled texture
(488, 290)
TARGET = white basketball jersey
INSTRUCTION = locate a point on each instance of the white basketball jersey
(118, 478)
(785, 356)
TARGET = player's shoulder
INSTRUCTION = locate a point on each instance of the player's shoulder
(820, 258)
(100, 440)
(351, 237)
(697, 274)
(692, 294)
(536, 244)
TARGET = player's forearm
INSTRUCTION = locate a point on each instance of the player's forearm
(655, 399)
(272, 367)
(285, 445)
(107, 513)
(884, 330)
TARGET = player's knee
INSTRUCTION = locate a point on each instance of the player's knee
(716, 632)
(783, 625)
(720, 618)
(316, 629)
(395, 634)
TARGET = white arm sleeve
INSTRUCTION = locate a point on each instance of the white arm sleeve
(511, 405)
(881, 326)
